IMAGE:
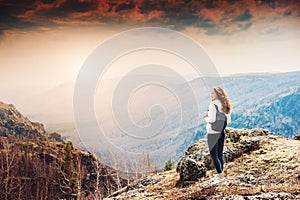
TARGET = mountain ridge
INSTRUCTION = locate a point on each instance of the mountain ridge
(35, 164)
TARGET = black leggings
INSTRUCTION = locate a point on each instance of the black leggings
(216, 146)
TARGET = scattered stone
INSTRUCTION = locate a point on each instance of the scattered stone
(269, 195)
(261, 151)
(284, 160)
(248, 179)
(273, 137)
(268, 159)
(150, 180)
(136, 188)
(297, 137)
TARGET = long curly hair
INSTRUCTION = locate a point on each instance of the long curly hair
(223, 97)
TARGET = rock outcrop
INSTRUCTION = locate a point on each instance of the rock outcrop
(13, 123)
(258, 165)
(196, 161)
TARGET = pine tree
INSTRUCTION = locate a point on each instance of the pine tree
(68, 181)
(68, 160)
(169, 165)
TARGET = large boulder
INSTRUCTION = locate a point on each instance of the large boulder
(190, 170)
(191, 166)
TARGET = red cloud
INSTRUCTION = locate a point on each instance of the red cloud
(219, 13)
(38, 6)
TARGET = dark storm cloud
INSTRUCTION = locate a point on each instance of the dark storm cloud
(181, 22)
(215, 17)
(8, 19)
(245, 16)
(287, 13)
(245, 26)
(78, 6)
(57, 9)
(125, 6)
(207, 24)
(271, 3)
(10, 11)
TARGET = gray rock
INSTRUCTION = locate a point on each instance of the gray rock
(196, 161)
(269, 195)
(136, 189)
(248, 179)
(190, 169)
(198, 151)
(234, 135)
(150, 180)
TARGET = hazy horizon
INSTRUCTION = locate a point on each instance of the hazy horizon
(9, 96)
(44, 44)
(64, 92)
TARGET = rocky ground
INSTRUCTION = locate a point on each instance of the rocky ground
(258, 166)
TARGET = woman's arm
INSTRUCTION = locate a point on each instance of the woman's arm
(228, 118)
(211, 115)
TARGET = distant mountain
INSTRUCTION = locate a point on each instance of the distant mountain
(52, 106)
(280, 116)
(266, 100)
(269, 101)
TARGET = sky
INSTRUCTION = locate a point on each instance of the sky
(43, 43)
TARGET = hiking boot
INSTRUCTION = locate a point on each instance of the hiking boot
(216, 176)
(219, 180)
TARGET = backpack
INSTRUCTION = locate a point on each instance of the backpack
(221, 121)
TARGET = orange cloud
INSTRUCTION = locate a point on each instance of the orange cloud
(38, 6)
(77, 15)
(155, 14)
(220, 16)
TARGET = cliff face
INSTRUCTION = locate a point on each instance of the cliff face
(258, 165)
(37, 165)
(13, 123)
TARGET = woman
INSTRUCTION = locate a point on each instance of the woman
(216, 139)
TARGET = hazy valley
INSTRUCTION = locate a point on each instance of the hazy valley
(268, 100)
